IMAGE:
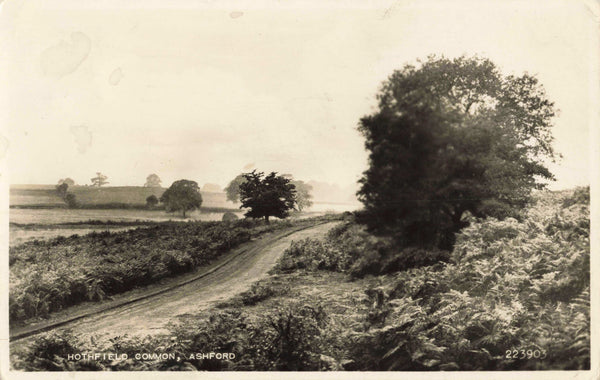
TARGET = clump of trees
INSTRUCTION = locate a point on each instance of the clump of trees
(453, 136)
(265, 196)
(183, 195)
(62, 190)
(303, 191)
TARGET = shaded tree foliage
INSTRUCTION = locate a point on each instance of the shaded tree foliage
(303, 194)
(71, 200)
(452, 136)
(151, 201)
(272, 195)
(62, 189)
(183, 195)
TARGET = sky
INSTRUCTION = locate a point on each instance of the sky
(206, 90)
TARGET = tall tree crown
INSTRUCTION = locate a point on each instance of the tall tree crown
(272, 195)
(452, 136)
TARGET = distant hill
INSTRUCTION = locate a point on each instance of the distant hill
(45, 195)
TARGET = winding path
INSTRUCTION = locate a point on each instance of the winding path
(147, 311)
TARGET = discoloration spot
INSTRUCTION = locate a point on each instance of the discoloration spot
(83, 137)
(116, 76)
(236, 14)
(65, 58)
(3, 146)
(249, 166)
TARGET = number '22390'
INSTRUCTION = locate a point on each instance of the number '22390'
(526, 354)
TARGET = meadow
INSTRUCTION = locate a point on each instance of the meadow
(511, 295)
(94, 197)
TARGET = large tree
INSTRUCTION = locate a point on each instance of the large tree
(452, 136)
(183, 195)
(272, 195)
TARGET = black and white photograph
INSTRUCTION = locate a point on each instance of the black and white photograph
(300, 187)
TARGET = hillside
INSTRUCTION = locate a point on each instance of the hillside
(45, 196)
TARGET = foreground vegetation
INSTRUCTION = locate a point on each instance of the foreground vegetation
(46, 276)
(512, 294)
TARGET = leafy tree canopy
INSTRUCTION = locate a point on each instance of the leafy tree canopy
(151, 201)
(152, 180)
(452, 136)
(68, 181)
(272, 195)
(183, 195)
(62, 189)
(99, 180)
(303, 193)
(233, 189)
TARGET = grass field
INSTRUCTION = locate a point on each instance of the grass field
(19, 235)
(53, 216)
(45, 195)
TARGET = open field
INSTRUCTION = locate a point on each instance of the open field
(45, 195)
(59, 215)
(19, 235)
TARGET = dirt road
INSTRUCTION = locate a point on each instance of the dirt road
(234, 274)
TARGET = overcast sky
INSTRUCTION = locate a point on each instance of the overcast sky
(203, 93)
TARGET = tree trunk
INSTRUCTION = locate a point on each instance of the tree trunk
(183, 213)
(267, 219)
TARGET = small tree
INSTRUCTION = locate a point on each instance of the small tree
(183, 195)
(62, 189)
(67, 180)
(152, 180)
(229, 217)
(233, 189)
(303, 195)
(71, 200)
(99, 180)
(272, 195)
(151, 201)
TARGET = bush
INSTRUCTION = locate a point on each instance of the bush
(261, 291)
(229, 217)
(71, 200)
(311, 254)
(581, 195)
(288, 339)
(151, 201)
